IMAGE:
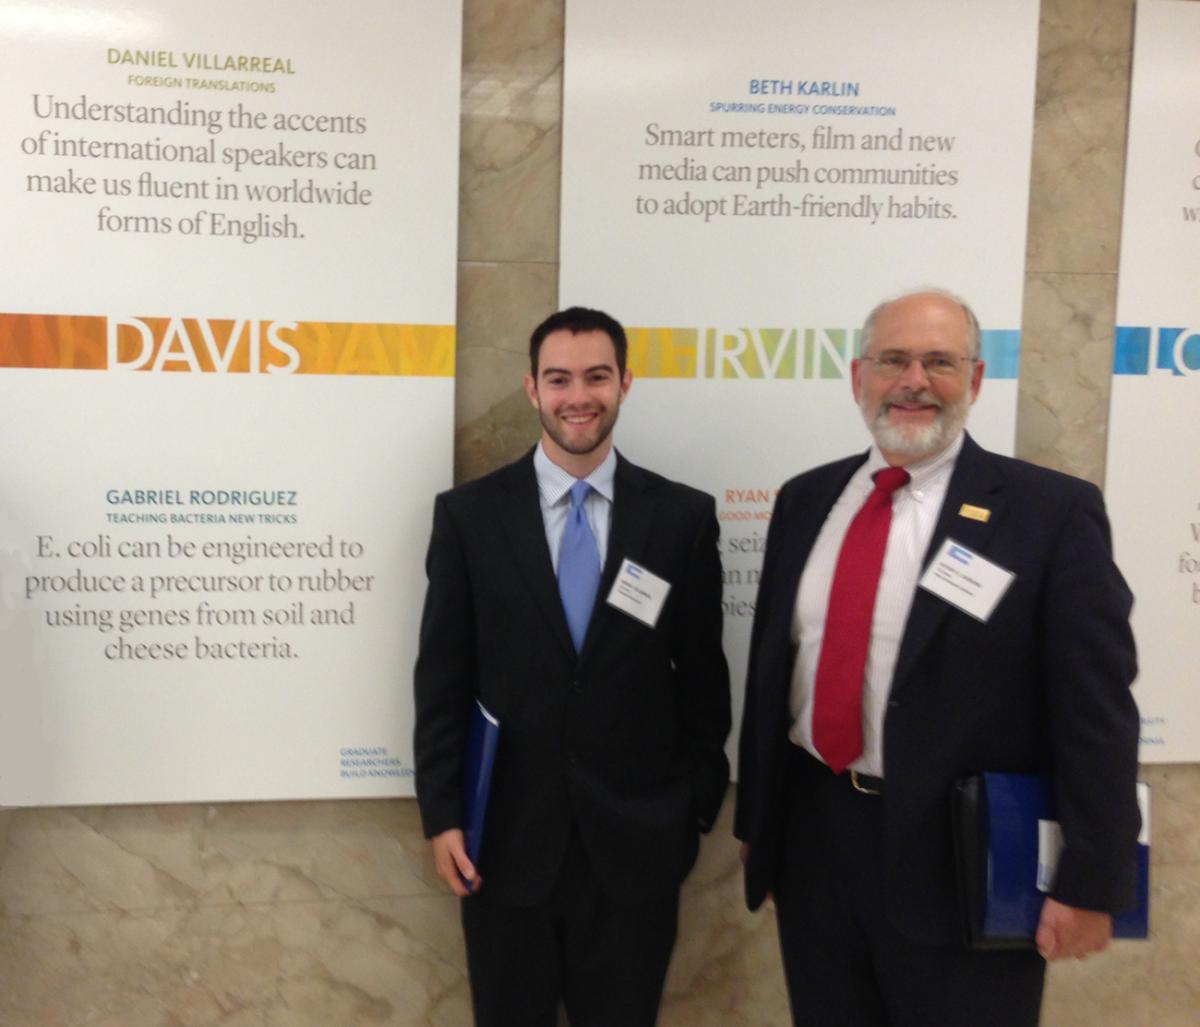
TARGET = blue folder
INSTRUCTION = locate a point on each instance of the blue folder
(482, 738)
(1007, 842)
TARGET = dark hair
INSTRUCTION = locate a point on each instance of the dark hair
(576, 320)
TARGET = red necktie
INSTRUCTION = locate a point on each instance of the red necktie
(837, 702)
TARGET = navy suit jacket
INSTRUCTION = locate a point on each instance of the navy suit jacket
(1042, 686)
(624, 740)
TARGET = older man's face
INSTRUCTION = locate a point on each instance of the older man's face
(916, 413)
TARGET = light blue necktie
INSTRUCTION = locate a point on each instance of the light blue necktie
(578, 566)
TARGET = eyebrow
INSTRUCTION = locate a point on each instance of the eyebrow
(916, 353)
(586, 370)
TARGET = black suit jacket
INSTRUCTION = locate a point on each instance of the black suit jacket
(1043, 686)
(625, 740)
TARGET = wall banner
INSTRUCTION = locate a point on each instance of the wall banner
(742, 190)
(1153, 470)
(226, 360)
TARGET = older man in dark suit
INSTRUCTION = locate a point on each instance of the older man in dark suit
(613, 721)
(872, 689)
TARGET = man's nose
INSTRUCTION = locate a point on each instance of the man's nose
(914, 375)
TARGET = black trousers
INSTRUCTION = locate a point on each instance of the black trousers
(846, 964)
(606, 962)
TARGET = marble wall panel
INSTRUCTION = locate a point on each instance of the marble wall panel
(726, 970)
(508, 219)
(498, 306)
(1079, 135)
(1109, 988)
(1066, 356)
(6, 820)
(500, 436)
(1174, 984)
(301, 964)
(1148, 984)
(135, 859)
(511, 132)
(1175, 817)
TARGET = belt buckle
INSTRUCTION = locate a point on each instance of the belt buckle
(861, 787)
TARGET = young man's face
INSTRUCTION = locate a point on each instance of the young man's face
(577, 393)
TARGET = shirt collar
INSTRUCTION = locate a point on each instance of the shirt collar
(554, 482)
(924, 472)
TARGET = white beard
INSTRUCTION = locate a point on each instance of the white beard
(913, 439)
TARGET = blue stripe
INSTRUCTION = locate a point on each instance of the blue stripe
(1131, 351)
(1001, 351)
(1166, 349)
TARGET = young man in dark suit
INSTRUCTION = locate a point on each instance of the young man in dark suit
(611, 756)
(869, 695)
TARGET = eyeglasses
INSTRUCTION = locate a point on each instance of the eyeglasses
(893, 363)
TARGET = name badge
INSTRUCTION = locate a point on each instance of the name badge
(966, 580)
(639, 593)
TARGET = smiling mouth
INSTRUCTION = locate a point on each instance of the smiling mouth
(909, 406)
(579, 419)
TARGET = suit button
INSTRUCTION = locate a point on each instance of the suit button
(572, 760)
(577, 685)
(893, 704)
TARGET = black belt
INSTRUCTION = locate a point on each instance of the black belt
(807, 763)
(866, 783)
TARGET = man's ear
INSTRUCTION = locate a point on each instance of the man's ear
(976, 379)
(531, 391)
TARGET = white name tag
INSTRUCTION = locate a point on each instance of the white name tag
(966, 580)
(639, 592)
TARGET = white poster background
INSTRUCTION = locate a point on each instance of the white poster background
(1153, 468)
(363, 454)
(959, 77)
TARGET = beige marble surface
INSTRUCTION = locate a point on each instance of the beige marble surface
(511, 130)
(278, 913)
(498, 305)
(328, 914)
(1079, 135)
(1062, 411)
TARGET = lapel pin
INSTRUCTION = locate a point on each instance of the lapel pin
(974, 513)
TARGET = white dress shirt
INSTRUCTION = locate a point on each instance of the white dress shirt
(554, 487)
(915, 510)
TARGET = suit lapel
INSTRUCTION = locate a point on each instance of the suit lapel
(634, 503)
(977, 482)
(796, 540)
(520, 512)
